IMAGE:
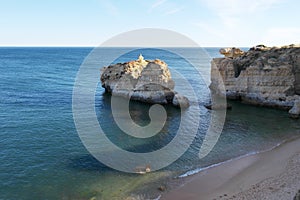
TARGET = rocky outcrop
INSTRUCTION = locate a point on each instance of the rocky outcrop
(231, 52)
(142, 80)
(295, 111)
(267, 76)
(297, 196)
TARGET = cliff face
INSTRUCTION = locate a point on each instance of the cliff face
(261, 76)
(142, 80)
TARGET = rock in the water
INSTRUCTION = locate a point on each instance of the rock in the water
(180, 101)
(162, 188)
(265, 76)
(142, 80)
(297, 196)
(295, 111)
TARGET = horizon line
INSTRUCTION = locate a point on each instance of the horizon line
(38, 46)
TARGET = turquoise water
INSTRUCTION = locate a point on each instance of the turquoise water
(42, 157)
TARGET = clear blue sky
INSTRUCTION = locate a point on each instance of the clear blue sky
(91, 22)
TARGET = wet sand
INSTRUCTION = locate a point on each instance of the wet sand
(273, 175)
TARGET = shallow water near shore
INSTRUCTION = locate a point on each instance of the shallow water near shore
(42, 156)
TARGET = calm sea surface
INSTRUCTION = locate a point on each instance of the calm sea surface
(42, 156)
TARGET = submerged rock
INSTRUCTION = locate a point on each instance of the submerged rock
(142, 80)
(265, 76)
(226, 106)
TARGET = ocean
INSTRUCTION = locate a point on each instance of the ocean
(42, 156)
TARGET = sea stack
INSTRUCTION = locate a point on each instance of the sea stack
(142, 80)
(265, 76)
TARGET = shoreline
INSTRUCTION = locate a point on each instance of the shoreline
(253, 153)
(267, 174)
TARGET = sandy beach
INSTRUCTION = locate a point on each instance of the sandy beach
(273, 174)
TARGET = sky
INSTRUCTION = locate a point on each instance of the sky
(210, 23)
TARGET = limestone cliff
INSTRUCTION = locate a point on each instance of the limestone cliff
(267, 76)
(142, 80)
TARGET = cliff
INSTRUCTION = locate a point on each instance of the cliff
(142, 80)
(266, 76)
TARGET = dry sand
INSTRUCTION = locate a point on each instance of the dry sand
(273, 175)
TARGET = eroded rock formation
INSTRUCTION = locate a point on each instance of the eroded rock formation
(142, 80)
(231, 52)
(267, 76)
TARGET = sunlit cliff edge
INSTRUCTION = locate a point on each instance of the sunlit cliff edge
(264, 76)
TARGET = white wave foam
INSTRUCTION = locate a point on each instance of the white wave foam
(198, 170)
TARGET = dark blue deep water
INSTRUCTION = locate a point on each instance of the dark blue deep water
(42, 156)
